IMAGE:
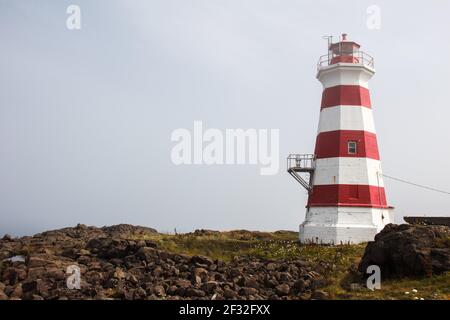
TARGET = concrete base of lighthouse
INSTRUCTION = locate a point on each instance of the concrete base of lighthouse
(342, 225)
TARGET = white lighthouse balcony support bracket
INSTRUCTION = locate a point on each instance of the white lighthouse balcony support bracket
(301, 163)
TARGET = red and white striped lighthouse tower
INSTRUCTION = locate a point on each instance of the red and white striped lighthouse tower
(347, 201)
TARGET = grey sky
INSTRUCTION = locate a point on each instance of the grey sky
(86, 116)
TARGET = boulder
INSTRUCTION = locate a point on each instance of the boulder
(282, 289)
(42, 260)
(301, 284)
(200, 275)
(319, 295)
(148, 254)
(229, 294)
(35, 287)
(246, 291)
(251, 283)
(3, 296)
(159, 291)
(7, 238)
(271, 266)
(209, 286)
(191, 292)
(202, 260)
(108, 248)
(17, 292)
(13, 275)
(409, 250)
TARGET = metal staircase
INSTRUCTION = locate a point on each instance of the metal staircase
(298, 163)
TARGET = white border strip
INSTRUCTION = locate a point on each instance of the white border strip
(346, 118)
(348, 170)
(345, 74)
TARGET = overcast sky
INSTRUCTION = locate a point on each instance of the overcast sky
(86, 115)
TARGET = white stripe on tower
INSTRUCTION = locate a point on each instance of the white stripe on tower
(342, 170)
(346, 118)
(348, 74)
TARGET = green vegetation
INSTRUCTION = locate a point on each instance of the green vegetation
(338, 264)
(220, 245)
(442, 243)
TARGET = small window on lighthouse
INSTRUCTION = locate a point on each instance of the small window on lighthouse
(352, 147)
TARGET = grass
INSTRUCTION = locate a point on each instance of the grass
(218, 245)
(442, 242)
(338, 264)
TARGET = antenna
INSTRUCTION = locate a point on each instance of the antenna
(329, 40)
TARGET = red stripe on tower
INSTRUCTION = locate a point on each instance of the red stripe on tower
(350, 95)
(336, 144)
(348, 195)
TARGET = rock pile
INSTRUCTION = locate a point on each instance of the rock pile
(114, 266)
(409, 250)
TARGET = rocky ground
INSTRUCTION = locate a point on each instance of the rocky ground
(130, 262)
(409, 250)
(114, 264)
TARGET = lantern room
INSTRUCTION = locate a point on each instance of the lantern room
(344, 51)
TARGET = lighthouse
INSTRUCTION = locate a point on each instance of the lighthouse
(346, 194)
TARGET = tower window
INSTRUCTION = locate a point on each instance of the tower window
(352, 147)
